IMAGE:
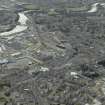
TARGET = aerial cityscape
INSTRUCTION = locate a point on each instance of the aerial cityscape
(52, 52)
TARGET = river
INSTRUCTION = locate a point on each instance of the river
(23, 19)
(19, 28)
(94, 7)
